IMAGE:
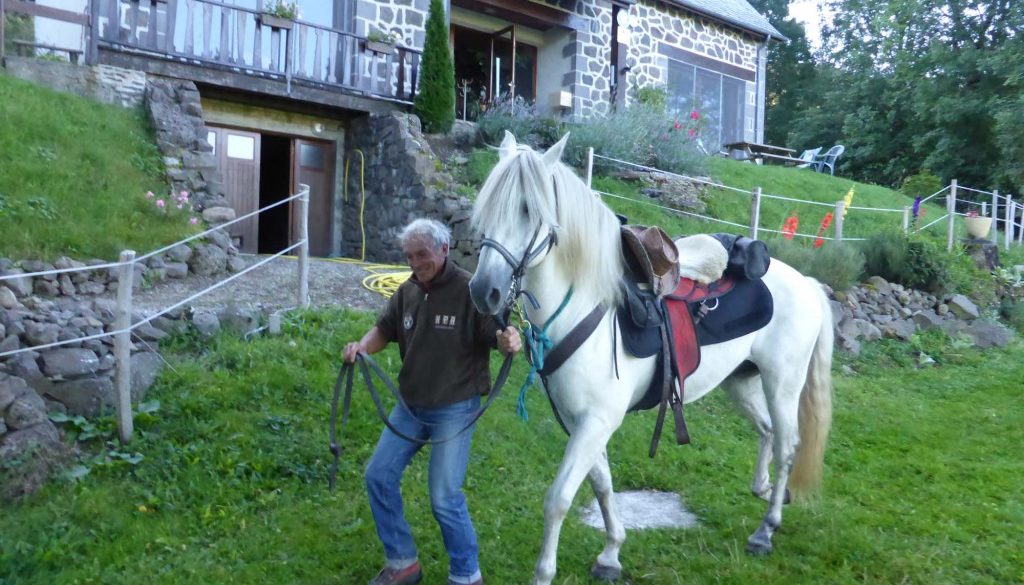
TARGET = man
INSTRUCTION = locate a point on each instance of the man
(445, 346)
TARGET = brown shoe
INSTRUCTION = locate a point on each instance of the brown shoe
(408, 576)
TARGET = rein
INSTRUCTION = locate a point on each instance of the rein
(345, 376)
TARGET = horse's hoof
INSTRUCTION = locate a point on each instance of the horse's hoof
(759, 547)
(604, 573)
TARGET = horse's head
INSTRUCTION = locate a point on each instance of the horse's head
(517, 213)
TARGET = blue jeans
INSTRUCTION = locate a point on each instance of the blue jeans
(448, 463)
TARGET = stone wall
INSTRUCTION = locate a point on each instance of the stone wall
(103, 83)
(403, 181)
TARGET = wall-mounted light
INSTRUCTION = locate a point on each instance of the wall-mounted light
(318, 128)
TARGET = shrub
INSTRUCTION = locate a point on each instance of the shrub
(519, 117)
(836, 264)
(924, 183)
(910, 261)
(435, 103)
(654, 97)
(1013, 312)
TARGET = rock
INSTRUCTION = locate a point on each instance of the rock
(847, 370)
(206, 323)
(41, 333)
(238, 319)
(69, 362)
(85, 397)
(34, 437)
(170, 326)
(10, 388)
(220, 239)
(23, 365)
(148, 332)
(106, 310)
(899, 329)
(236, 264)
(963, 308)
(987, 334)
(942, 309)
(177, 269)
(180, 253)
(146, 366)
(837, 312)
(927, 320)
(849, 344)
(24, 413)
(21, 286)
(208, 259)
(8, 300)
(216, 215)
(880, 284)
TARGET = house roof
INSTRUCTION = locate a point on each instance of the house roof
(738, 13)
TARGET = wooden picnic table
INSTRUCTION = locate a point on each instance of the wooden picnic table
(761, 153)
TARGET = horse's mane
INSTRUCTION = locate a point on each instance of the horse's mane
(589, 249)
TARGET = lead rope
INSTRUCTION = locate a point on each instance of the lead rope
(537, 343)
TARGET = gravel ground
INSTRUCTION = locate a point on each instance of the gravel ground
(271, 286)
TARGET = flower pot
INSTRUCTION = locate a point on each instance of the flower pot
(276, 21)
(380, 47)
(977, 227)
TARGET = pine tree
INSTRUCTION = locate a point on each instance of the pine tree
(435, 103)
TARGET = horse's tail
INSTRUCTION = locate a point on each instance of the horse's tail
(815, 416)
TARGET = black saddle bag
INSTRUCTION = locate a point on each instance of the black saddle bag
(748, 258)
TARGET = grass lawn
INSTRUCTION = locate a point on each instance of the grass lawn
(73, 178)
(922, 481)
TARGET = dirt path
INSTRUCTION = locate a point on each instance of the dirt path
(271, 286)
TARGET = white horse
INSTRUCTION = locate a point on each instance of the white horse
(545, 218)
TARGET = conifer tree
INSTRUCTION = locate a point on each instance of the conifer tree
(435, 102)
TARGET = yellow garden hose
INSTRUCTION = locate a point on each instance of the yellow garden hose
(362, 192)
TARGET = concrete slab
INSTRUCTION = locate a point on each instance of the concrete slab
(642, 510)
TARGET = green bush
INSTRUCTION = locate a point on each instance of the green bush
(910, 261)
(837, 264)
(519, 117)
(923, 183)
(435, 103)
(1013, 312)
(654, 97)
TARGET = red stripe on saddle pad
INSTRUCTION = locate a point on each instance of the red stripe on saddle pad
(685, 350)
(692, 291)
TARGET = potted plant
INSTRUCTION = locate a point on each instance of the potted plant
(280, 14)
(977, 225)
(381, 42)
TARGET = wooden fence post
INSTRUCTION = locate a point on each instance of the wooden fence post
(951, 211)
(1008, 222)
(590, 166)
(755, 212)
(92, 54)
(123, 346)
(906, 219)
(304, 246)
(3, 20)
(1020, 226)
(837, 219)
(993, 227)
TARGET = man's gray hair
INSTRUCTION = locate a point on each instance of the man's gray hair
(431, 229)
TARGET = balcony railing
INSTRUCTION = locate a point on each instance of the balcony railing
(244, 40)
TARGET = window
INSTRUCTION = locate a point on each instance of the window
(718, 98)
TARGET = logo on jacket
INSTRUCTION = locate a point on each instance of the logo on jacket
(444, 321)
(407, 322)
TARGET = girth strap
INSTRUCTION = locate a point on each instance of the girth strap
(571, 342)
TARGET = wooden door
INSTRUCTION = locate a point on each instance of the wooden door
(313, 165)
(238, 158)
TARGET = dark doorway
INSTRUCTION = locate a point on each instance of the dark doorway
(275, 185)
(483, 70)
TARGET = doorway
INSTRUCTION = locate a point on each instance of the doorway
(484, 69)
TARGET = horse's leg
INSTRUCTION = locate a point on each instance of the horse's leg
(782, 390)
(746, 391)
(586, 444)
(607, 567)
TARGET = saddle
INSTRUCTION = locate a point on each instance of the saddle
(674, 323)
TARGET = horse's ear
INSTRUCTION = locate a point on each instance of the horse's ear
(554, 154)
(508, 146)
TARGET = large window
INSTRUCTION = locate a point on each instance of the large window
(716, 97)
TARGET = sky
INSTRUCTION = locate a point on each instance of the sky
(807, 12)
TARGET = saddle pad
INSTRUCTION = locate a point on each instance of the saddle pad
(640, 342)
(747, 308)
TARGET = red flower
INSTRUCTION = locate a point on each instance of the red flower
(789, 227)
(818, 242)
(677, 125)
(692, 132)
(694, 115)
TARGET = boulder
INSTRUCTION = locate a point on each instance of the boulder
(216, 215)
(987, 334)
(69, 362)
(8, 300)
(880, 284)
(85, 397)
(206, 323)
(208, 259)
(146, 366)
(963, 308)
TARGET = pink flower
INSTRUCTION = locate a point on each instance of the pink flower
(193, 220)
(180, 206)
(184, 195)
(692, 133)
(694, 115)
(150, 195)
(160, 203)
(677, 125)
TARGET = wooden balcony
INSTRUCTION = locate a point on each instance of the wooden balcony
(239, 48)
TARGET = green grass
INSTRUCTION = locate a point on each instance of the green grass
(73, 178)
(921, 486)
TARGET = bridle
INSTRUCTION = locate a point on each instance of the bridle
(515, 287)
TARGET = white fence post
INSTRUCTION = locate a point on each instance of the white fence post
(993, 227)
(1008, 222)
(123, 346)
(304, 246)
(755, 212)
(906, 219)
(838, 220)
(1020, 226)
(951, 211)
(590, 166)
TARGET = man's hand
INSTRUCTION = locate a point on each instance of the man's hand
(351, 350)
(508, 340)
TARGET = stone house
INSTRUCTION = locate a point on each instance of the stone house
(250, 103)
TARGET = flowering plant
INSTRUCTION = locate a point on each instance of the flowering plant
(825, 223)
(284, 9)
(789, 226)
(179, 202)
(378, 36)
